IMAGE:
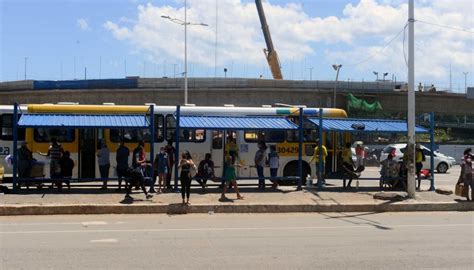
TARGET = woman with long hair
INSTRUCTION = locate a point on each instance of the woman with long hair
(186, 164)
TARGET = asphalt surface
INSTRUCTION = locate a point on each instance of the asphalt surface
(442, 240)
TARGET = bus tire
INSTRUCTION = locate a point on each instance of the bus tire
(291, 169)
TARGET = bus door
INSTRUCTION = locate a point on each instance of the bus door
(217, 151)
(339, 142)
(87, 150)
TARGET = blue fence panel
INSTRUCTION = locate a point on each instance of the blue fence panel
(86, 84)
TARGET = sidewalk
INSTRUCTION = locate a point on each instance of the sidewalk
(90, 200)
(87, 199)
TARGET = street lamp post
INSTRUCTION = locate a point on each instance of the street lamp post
(376, 74)
(311, 73)
(336, 68)
(185, 23)
(465, 81)
(26, 60)
(385, 75)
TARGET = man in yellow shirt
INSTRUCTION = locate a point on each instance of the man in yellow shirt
(315, 158)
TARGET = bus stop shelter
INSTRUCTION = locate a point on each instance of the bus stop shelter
(79, 121)
(370, 126)
(239, 123)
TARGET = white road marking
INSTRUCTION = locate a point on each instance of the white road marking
(112, 240)
(40, 224)
(87, 223)
(240, 228)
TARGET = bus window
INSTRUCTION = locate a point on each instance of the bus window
(115, 135)
(159, 128)
(199, 135)
(170, 127)
(309, 135)
(217, 139)
(272, 136)
(7, 128)
(135, 135)
(185, 135)
(61, 134)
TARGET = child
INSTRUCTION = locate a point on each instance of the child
(230, 177)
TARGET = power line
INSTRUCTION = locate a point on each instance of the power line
(447, 27)
(378, 51)
(403, 45)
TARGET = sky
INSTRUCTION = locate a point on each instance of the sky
(99, 39)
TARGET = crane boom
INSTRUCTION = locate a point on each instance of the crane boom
(270, 53)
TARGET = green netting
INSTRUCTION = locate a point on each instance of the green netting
(354, 103)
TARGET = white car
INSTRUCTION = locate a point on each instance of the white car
(442, 163)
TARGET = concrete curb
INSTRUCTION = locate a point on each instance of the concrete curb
(12, 210)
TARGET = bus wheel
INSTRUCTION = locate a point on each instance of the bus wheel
(291, 169)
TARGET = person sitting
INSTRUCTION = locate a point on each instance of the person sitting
(348, 164)
(205, 171)
(390, 171)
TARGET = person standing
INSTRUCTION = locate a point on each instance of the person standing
(161, 168)
(122, 163)
(230, 178)
(320, 174)
(55, 152)
(259, 161)
(274, 163)
(67, 165)
(139, 155)
(103, 158)
(467, 172)
(186, 164)
(25, 161)
(360, 153)
(171, 152)
(419, 158)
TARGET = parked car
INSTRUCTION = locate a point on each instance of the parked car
(442, 163)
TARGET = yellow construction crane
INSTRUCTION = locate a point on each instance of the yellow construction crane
(270, 53)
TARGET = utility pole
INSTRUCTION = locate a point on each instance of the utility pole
(125, 68)
(164, 68)
(411, 101)
(215, 49)
(450, 78)
(311, 73)
(26, 60)
(465, 81)
(100, 67)
(85, 73)
(74, 67)
(185, 53)
(337, 68)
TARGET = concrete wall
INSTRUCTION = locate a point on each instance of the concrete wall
(242, 92)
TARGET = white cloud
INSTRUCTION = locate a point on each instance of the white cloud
(361, 32)
(83, 24)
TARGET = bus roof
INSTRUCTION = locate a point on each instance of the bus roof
(185, 110)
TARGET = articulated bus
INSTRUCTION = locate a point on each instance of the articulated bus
(82, 143)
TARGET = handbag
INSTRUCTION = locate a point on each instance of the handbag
(192, 171)
(460, 190)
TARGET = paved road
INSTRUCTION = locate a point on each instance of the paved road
(217, 241)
